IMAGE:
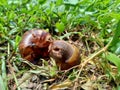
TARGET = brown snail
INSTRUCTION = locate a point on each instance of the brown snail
(34, 44)
(65, 54)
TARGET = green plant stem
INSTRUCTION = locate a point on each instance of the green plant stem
(4, 76)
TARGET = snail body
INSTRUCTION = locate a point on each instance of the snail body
(64, 54)
(34, 44)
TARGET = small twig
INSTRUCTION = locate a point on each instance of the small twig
(92, 57)
(87, 46)
(50, 80)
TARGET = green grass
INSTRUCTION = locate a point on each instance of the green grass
(92, 24)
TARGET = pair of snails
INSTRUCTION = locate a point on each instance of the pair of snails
(38, 43)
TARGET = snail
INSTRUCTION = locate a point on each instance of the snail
(34, 44)
(65, 54)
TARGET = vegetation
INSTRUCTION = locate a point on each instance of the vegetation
(93, 25)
